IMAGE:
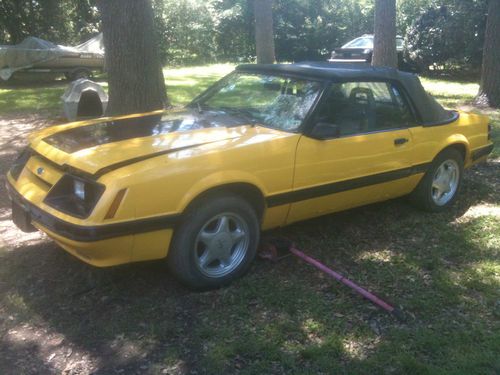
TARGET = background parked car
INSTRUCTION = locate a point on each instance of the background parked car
(361, 50)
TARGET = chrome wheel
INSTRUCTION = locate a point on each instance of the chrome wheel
(445, 182)
(221, 245)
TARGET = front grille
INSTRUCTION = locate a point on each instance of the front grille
(39, 178)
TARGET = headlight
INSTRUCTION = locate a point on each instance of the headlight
(20, 163)
(74, 195)
(79, 189)
(367, 51)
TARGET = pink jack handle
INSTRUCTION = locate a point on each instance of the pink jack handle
(280, 243)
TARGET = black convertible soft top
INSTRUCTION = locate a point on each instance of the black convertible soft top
(429, 111)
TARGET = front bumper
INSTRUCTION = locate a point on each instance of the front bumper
(101, 245)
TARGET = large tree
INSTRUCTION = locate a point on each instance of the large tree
(135, 77)
(384, 44)
(489, 91)
(264, 34)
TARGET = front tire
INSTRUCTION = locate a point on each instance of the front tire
(215, 242)
(441, 184)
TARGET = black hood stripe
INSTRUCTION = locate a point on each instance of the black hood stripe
(138, 159)
(109, 168)
(79, 138)
(88, 136)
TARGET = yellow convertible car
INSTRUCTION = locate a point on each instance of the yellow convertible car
(266, 146)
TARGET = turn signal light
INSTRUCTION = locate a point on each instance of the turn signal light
(115, 204)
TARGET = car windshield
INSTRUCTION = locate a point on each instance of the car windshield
(278, 102)
(367, 42)
(363, 42)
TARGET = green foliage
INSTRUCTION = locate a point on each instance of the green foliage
(310, 29)
(448, 33)
(448, 36)
(185, 31)
(62, 22)
(235, 34)
(194, 31)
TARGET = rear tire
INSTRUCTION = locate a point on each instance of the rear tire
(215, 242)
(439, 187)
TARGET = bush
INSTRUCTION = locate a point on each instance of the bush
(447, 38)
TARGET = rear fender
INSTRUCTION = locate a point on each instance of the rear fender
(453, 140)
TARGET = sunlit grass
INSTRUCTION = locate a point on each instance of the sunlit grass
(17, 100)
(450, 89)
(183, 84)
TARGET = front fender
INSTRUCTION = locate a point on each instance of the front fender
(218, 180)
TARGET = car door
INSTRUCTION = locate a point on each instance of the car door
(368, 159)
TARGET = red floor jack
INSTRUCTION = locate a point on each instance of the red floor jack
(272, 246)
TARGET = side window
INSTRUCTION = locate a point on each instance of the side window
(363, 107)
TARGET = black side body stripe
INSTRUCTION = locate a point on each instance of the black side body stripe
(101, 232)
(483, 151)
(341, 186)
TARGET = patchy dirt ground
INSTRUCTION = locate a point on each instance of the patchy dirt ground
(60, 316)
(31, 345)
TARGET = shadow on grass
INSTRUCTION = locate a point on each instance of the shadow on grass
(284, 317)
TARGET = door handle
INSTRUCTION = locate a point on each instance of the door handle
(400, 141)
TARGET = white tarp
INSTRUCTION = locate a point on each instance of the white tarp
(32, 51)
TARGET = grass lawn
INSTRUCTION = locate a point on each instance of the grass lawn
(27, 95)
(443, 270)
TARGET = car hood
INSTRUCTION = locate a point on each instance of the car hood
(98, 146)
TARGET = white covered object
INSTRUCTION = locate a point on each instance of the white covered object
(33, 51)
(84, 94)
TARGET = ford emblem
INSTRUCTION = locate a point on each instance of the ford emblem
(40, 170)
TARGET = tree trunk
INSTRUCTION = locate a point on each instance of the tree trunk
(489, 91)
(384, 46)
(264, 35)
(135, 76)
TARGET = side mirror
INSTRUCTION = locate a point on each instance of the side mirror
(325, 130)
